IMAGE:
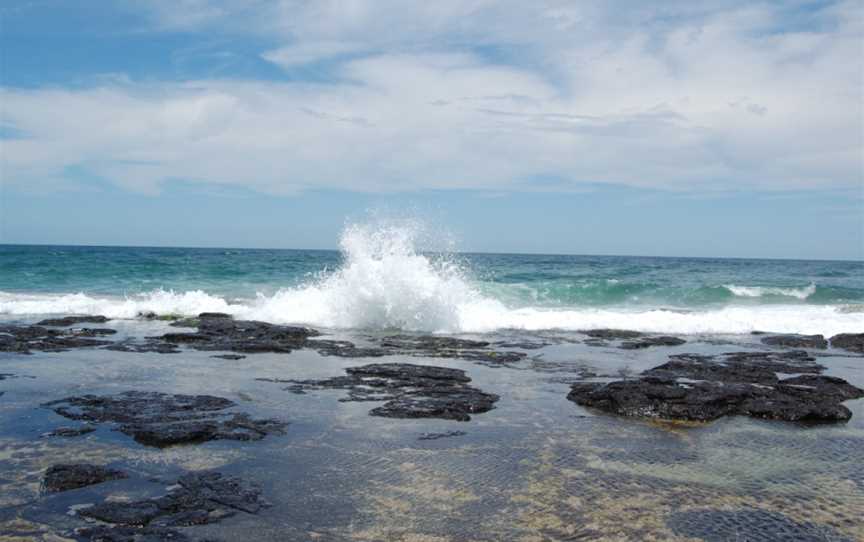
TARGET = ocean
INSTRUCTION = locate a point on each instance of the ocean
(383, 279)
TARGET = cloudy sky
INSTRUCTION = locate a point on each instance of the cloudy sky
(722, 128)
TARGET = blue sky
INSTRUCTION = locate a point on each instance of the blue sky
(724, 128)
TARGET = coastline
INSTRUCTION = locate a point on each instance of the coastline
(533, 466)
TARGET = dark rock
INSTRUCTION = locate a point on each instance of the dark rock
(71, 431)
(747, 367)
(663, 340)
(72, 476)
(231, 357)
(217, 331)
(700, 388)
(612, 334)
(72, 320)
(407, 373)
(158, 419)
(224, 333)
(430, 342)
(854, 342)
(410, 391)
(796, 341)
(525, 345)
(214, 315)
(23, 339)
(199, 498)
(436, 436)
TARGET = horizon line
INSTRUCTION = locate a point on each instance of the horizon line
(466, 252)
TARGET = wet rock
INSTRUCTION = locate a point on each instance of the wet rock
(796, 341)
(430, 342)
(748, 524)
(198, 498)
(612, 334)
(223, 333)
(72, 320)
(204, 315)
(746, 367)
(701, 388)
(159, 419)
(646, 342)
(231, 357)
(73, 476)
(217, 331)
(23, 339)
(409, 391)
(436, 436)
(71, 431)
(853, 342)
(524, 345)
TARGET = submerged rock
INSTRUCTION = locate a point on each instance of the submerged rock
(197, 499)
(159, 419)
(853, 342)
(796, 341)
(446, 434)
(410, 391)
(71, 431)
(145, 347)
(612, 334)
(702, 388)
(73, 476)
(72, 320)
(116, 533)
(663, 340)
(230, 357)
(748, 524)
(435, 346)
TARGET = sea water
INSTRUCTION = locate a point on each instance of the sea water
(382, 278)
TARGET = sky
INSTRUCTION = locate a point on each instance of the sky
(680, 128)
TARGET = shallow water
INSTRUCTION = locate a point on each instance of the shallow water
(537, 467)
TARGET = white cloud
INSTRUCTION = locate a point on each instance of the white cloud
(488, 95)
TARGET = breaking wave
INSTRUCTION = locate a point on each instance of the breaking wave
(385, 282)
(765, 291)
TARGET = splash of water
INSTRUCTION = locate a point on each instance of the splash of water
(385, 282)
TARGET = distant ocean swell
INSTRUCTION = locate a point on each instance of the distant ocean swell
(383, 282)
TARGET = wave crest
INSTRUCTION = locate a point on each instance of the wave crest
(765, 291)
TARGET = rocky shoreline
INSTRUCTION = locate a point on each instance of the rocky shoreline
(782, 381)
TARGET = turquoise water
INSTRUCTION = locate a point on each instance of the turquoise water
(550, 280)
(380, 279)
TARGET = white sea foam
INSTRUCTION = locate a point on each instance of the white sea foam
(385, 283)
(762, 291)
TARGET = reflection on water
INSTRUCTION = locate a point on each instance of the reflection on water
(536, 468)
